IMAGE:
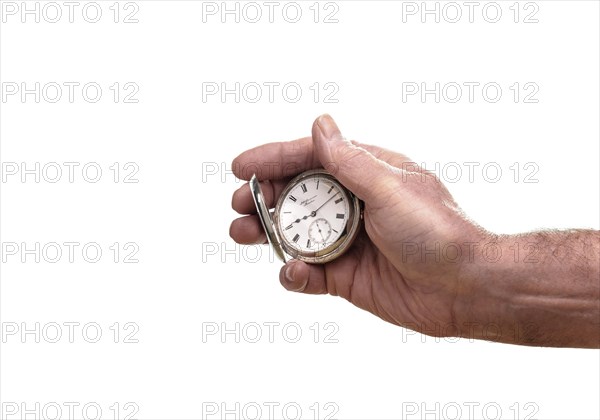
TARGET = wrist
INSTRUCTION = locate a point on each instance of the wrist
(484, 307)
(534, 289)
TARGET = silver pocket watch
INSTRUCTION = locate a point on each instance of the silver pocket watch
(315, 220)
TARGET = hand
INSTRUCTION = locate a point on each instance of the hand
(418, 262)
(401, 207)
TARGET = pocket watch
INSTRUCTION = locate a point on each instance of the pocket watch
(315, 220)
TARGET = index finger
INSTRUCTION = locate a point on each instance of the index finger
(276, 160)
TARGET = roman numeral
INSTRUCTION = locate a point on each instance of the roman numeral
(339, 215)
(318, 180)
(296, 238)
(339, 200)
(308, 243)
(335, 230)
(303, 187)
(292, 198)
(289, 227)
(330, 189)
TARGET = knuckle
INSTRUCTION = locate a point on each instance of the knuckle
(350, 158)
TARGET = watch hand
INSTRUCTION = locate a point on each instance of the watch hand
(303, 218)
(318, 227)
(314, 212)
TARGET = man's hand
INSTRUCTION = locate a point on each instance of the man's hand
(418, 263)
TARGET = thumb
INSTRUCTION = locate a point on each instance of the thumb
(369, 178)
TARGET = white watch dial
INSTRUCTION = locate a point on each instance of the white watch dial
(314, 214)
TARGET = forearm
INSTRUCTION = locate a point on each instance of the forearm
(538, 289)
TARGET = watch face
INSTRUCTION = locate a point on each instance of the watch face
(316, 217)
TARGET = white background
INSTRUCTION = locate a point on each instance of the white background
(191, 277)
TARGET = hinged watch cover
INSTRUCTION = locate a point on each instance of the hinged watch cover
(265, 218)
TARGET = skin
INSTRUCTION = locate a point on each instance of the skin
(419, 262)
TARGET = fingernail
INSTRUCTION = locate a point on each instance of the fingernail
(291, 282)
(328, 127)
(288, 273)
